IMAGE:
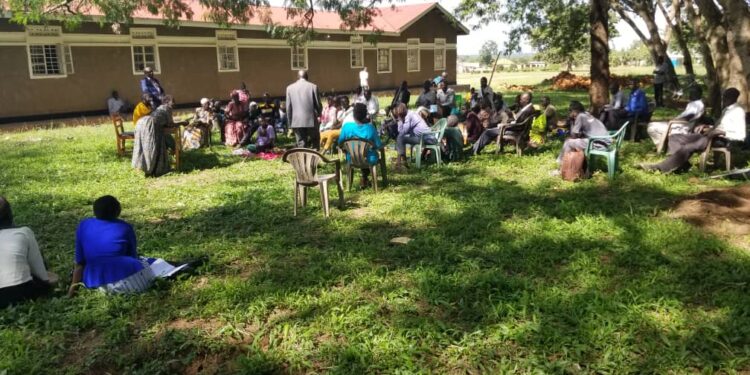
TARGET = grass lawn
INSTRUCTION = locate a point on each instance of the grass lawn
(509, 271)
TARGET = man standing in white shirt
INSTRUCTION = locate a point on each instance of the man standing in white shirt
(732, 129)
(364, 76)
(373, 107)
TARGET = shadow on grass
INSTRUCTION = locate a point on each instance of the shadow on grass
(576, 279)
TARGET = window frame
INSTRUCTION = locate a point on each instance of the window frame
(137, 42)
(390, 60)
(439, 45)
(227, 39)
(356, 44)
(44, 36)
(59, 55)
(304, 52)
(410, 46)
(68, 57)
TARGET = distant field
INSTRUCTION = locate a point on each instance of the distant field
(504, 79)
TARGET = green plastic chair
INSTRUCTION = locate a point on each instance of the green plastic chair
(610, 153)
(438, 130)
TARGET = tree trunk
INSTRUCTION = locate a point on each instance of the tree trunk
(599, 21)
(723, 42)
(737, 16)
(647, 13)
(712, 80)
(674, 21)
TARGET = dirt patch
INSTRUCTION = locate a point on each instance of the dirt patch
(723, 212)
(81, 349)
(211, 364)
(209, 326)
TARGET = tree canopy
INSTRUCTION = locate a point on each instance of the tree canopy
(557, 29)
(353, 13)
(488, 52)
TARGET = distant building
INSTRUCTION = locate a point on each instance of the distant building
(535, 65)
(469, 67)
(50, 71)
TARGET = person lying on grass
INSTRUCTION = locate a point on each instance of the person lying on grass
(23, 275)
(362, 129)
(106, 254)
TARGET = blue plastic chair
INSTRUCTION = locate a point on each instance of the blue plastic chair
(609, 153)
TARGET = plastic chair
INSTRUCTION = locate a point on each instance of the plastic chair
(609, 153)
(120, 134)
(437, 131)
(662, 146)
(305, 163)
(520, 134)
(357, 150)
(715, 151)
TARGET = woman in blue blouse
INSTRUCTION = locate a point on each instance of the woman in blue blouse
(106, 255)
(361, 128)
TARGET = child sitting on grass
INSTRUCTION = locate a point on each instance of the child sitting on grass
(266, 137)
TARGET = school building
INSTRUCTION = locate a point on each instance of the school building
(48, 70)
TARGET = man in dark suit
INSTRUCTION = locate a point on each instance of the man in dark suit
(150, 85)
(524, 114)
(303, 109)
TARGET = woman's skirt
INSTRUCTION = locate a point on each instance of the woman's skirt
(234, 132)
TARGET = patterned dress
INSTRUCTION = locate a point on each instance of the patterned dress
(234, 129)
(196, 135)
(150, 147)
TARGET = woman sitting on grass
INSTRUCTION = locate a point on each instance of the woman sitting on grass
(106, 255)
(23, 275)
(364, 130)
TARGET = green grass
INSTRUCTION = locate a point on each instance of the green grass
(509, 271)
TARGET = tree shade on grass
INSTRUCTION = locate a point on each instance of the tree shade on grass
(509, 270)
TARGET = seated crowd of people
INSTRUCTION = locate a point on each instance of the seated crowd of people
(474, 121)
(106, 255)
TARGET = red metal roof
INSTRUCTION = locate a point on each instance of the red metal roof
(392, 19)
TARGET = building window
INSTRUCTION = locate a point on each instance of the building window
(144, 49)
(412, 55)
(144, 56)
(226, 51)
(227, 58)
(46, 60)
(356, 52)
(299, 58)
(384, 60)
(439, 54)
(48, 56)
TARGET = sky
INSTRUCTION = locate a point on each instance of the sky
(497, 31)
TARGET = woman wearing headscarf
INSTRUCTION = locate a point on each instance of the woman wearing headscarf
(150, 147)
(23, 275)
(198, 133)
(235, 114)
